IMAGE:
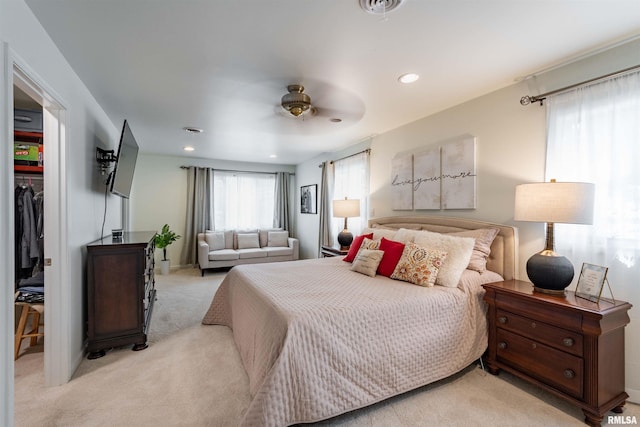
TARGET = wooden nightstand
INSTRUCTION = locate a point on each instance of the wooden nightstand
(569, 346)
(329, 251)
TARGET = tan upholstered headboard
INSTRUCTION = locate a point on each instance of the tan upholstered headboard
(504, 249)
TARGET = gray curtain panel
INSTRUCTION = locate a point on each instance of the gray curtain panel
(325, 237)
(199, 214)
(281, 215)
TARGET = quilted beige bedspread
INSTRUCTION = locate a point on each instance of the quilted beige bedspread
(318, 339)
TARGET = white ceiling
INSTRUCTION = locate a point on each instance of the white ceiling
(223, 65)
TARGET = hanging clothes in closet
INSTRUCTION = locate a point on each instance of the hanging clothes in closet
(29, 233)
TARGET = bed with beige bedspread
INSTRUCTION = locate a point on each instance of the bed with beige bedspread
(318, 339)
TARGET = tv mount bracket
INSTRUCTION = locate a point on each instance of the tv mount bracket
(105, 158)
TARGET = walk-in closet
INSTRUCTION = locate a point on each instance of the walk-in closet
(29, 196)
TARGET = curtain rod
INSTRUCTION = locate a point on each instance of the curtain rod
(368, 150)
(234, 171)
(528, 99)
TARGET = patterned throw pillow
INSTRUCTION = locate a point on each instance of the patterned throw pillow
(367, 261)
(419, 265)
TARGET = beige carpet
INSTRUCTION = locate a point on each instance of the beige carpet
(191, 375)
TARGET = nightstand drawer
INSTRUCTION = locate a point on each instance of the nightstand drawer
(559, 338)
(559, 369)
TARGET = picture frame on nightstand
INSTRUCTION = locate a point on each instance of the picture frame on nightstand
(591, 282)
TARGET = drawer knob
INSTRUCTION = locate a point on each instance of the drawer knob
(568, 373)
(502, 319)
(533, 325)
(568, 342)
(502, 345)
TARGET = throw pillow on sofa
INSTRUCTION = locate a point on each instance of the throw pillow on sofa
(278, 239)
(215, 240)
(248, 240)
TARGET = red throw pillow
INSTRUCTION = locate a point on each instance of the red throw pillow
(392, 254)
(355, 246)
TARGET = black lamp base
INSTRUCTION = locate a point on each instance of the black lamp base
(345, 238)
(550, 273)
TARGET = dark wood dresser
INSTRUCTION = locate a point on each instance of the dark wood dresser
(120, 292)
(569, 346)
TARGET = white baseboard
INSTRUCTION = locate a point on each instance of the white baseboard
(634, 396)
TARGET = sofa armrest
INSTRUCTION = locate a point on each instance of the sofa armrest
(295, 245)
(203, 251)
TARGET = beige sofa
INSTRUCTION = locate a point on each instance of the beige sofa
(233, 247)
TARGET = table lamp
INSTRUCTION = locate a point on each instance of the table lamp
(346, 209)
(551, 202)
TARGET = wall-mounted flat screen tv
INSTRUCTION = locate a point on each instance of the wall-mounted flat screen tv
(125, 163)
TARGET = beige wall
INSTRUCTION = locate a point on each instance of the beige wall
(510, 150)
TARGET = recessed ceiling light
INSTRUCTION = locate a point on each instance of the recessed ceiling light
(189, 148)
(273, 156)
(190, 129)
(408, 78)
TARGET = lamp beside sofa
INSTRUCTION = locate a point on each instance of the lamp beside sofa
(234, 247)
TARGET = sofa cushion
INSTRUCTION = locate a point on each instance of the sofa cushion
(228, 239)
(223, 255)
(215, 240)
(278, 239)
(278, 251)
(252, 253)
(248, 240)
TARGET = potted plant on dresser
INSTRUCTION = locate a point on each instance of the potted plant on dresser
(163, 239)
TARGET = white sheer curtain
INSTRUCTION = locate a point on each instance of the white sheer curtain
(593, 135)
(243, 200)
(351, 180)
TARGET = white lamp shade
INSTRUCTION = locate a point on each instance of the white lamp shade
(563, 202)
(347, 208)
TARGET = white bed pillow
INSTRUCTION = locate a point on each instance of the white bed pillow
(367, 261)
(481, 249)
(248, 240)
(278, 239)
(379, 233)
(215, 240)
(458, 251)
(404, 235)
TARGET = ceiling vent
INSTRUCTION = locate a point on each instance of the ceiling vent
(379, 7)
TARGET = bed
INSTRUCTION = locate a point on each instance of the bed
(318, 339)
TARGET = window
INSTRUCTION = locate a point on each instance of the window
(592, 136)
(351, 180)
(243, 200)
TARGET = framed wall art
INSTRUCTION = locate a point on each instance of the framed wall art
(402, 182)
(459, 174)
(309, 199)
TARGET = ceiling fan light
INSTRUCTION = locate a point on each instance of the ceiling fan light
(296, 102)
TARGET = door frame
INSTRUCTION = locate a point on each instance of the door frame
(58, 368)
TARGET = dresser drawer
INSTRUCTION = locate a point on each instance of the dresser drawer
(559, 369)
(559, 338)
